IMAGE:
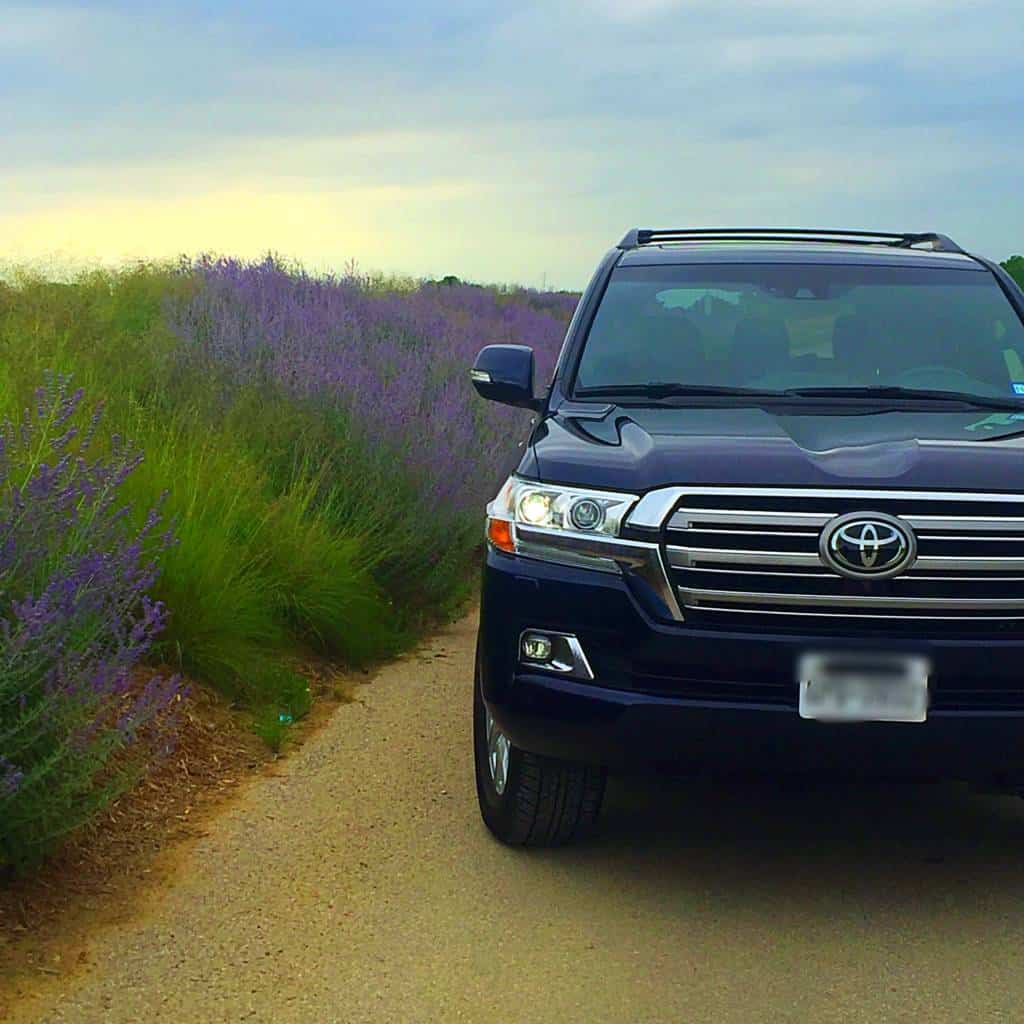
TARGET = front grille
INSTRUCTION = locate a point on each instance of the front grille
(748, 557)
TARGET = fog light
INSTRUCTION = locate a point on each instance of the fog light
(536, 647)
(554, 652)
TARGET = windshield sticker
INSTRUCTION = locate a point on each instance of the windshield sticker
(1018, 387)
(997, 419)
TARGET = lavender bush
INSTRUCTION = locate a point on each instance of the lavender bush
(379, 371)
(75, 621)
(394, 359)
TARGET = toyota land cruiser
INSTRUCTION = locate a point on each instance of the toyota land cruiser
(771, 512)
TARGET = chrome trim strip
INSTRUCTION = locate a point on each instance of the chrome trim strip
(683, 558)
(684, 518)
(862, 615)
(595, 545)
(971, 538)
(759, 533)
(767, 574)
(1005, 524)
(968, 562)
(917, 578)
(580, 655)
(691, 594)
(641, 558)
(653, 508)
(909, 576)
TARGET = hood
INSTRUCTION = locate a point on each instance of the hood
(636, 449)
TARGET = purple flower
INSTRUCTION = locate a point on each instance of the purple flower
(10, 778)
(393, 360)
(75, 619)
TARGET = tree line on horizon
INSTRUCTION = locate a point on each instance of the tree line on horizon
(1014, 266)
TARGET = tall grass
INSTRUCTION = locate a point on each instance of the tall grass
(315, 444)
(377, 394)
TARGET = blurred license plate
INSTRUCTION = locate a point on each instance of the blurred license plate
(855, 688)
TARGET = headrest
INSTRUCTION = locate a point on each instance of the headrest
(759, 346)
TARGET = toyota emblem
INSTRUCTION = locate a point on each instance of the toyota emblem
(867, 545)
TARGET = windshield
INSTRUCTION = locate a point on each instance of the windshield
(781, 327)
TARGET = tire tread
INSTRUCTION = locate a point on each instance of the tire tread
(557, 801)
(548, 801)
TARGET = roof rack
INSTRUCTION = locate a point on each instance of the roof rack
(649, 236)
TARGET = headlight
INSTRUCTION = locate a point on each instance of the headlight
(543, 506)
(578, 527)
(530, 518)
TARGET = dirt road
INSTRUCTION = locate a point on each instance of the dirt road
(359, 885)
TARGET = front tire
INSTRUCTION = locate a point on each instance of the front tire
(526, 799)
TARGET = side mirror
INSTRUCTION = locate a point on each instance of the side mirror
(504, 373)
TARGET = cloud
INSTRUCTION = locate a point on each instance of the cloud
(632, 10)
(522, 137)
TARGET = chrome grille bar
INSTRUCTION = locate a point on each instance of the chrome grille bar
(685, 557)
(693, 596)
(655, 506)
(688, 518)
(910, 577)
(863, 615)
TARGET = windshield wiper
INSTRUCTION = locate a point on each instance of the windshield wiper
(913, 394)
(656, 390)
(666, 389)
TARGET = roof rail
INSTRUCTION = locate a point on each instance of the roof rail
(650, 236)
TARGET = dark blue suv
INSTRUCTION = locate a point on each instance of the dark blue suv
(770, 516)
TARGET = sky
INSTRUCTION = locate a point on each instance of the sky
(499, 142)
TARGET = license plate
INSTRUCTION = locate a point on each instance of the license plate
(855, 688)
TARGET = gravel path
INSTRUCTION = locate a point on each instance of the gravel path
(359, 885)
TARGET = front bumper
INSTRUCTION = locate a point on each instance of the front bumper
(667, 692)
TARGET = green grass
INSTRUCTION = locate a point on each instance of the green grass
(281, 520)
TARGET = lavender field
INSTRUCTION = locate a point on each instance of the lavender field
(208, 472)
